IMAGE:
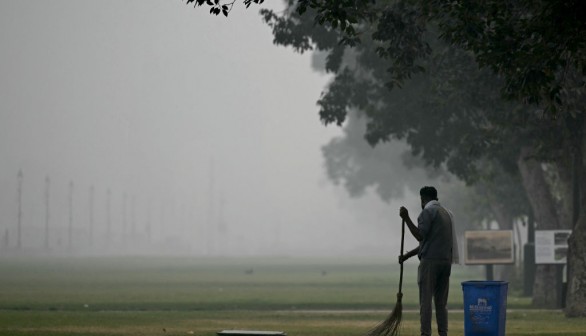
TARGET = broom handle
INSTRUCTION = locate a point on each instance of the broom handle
(402, 243)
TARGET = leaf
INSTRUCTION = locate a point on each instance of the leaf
(301, 9)
(350, 30)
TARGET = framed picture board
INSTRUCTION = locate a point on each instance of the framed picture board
(551, 246)
(489, 247)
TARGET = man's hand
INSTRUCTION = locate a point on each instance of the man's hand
(402, 258)
(403, 213)
(414, 229)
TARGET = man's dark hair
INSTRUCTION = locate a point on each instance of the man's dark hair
(428, 193)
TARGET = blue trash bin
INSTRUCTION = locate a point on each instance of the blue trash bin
(485, 307)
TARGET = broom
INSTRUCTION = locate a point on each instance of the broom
(391, 326)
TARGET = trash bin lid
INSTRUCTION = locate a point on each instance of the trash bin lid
(483, 283)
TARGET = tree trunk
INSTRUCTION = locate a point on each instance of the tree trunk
(564, 168)
(576, 295)
(543, 205)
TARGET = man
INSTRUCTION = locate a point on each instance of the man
(437, 251)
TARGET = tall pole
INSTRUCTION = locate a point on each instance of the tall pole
(133, 217)
(162, 224)
(108, 215)
(47, 200)
(70, 228)
(19, 220)
(211, 228)
(91, 228)
(148, 222)
(124, 218)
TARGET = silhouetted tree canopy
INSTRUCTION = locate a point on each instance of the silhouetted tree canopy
(224, 7)
(479, 88)
(533, 45)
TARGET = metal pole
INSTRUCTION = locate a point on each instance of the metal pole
(133, 217)
(148, 223)
(70, 229)
(91, 228)
(124, 218)
(489, 272)
(559, 271)
(47, 195)
(108, 215)
(19, 222)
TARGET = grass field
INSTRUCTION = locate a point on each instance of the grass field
(183, 296)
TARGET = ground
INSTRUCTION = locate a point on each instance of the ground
(201, 296)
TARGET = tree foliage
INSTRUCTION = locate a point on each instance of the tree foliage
(473, 84)
(224, 7)
(448, 114)
(533, 45)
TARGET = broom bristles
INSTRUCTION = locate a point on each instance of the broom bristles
(391, 325)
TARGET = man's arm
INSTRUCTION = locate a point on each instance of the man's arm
(414, 229)
(404, 257)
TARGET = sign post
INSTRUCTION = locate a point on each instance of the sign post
(551, 247)
(489, 247)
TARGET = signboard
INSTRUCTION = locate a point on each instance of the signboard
(551, 246)
(488, 247)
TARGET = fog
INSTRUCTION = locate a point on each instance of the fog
(150, 127)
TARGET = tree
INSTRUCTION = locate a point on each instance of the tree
(497, 191)
(532, 51)
(443, 114)
(390, 169)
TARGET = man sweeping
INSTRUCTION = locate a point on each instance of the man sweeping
(437, 251)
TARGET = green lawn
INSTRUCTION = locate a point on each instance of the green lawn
(182, 296)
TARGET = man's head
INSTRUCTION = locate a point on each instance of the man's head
(427, 194)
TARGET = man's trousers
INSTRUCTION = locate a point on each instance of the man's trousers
(433, 278)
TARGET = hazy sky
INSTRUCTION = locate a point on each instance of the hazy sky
(191, 116)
